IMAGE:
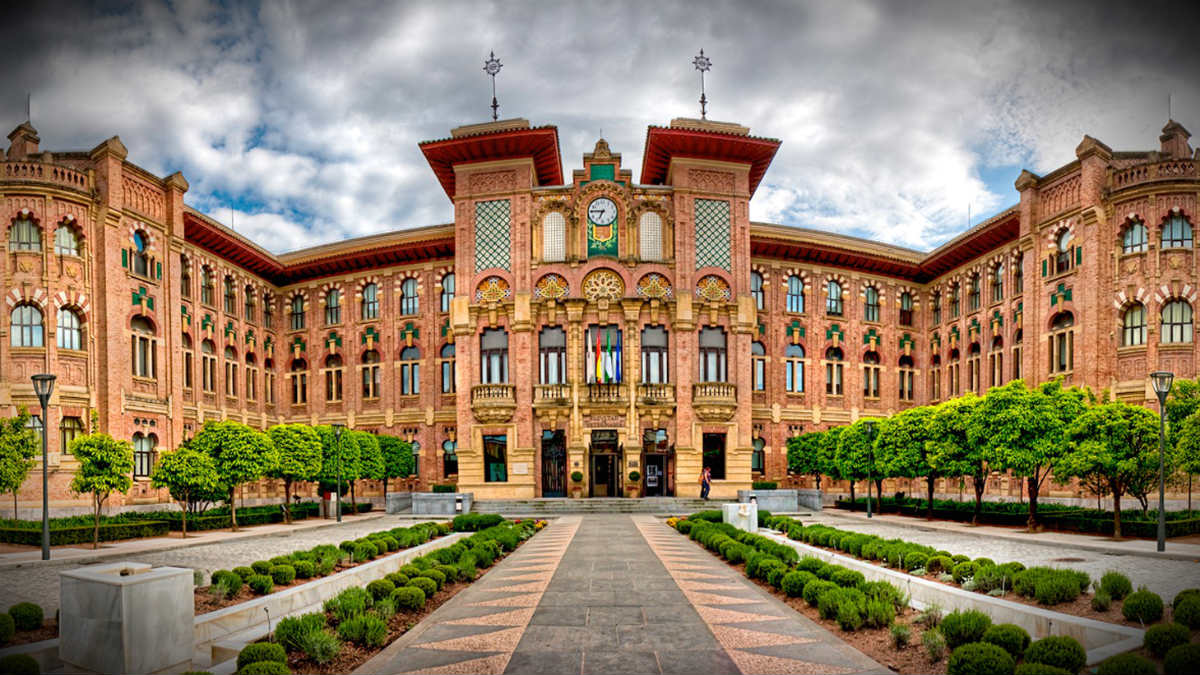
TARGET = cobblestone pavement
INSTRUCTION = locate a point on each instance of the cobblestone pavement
(39, 582)
(614, 593)
(1165, 577)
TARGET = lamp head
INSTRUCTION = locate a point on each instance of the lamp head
(416, 448)
(337, 430)
(43, 386)
(1161, 379)
(869, 425)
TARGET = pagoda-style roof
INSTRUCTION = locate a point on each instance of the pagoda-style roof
(507, 139)
(701, 139)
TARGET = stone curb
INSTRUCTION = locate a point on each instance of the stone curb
(1026, 539)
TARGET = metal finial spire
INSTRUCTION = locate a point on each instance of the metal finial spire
(702, 64)
(491, 67)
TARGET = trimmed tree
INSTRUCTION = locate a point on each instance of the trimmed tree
(1025, 430)
(186, 473)
(1183, 403)
(1186, 455)
(18, 453)
(856, 454)
(956, 447)
(330, 452)
(902, 447)
(297, 456)
(829, 449)
(397, 459)
(105, 467)
(1114, 443)
(370, 460)
(241, 454)
(806, 455)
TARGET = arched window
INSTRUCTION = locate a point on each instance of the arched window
(795, 294)
(143, 454)
(296, 319)
(24, 235)
(70, 329)
(145, 348)
(66, 240)
(758, 455)
(1133, 326)
(299, 378)
(871, 375)
(906, 309)
(833, 301)
(955, 307)
(447, 291)
(268, 310)
(248, 303)
(370, 301)
(1177, 232)
(208, 366)
(230, 295)
(1135, 239)
(935, 378)
(410, 302)
(998, 282)
(756, 290)
(871, 306)
(650, 237)
(1062, 343)
(188, 358)
(251, 377)
(954, 379)
(231, 376)
(935, 304)
(996, 361)
(334, 370)
(793, 366)
(207, 285)
(758, 363)
(554, 237)
(141, 256)
(447, 354)
(449, 458)
(1019, 274)
(908, 374)
(552, 355)
(655, 349)
(1062, 257)
(333, 306)
(185, 277)
(1177, 322)
(713, 361)
(973, 293)
(27, 329)
(410, 371)
(68, 430)
(371, 373)
(493, 356)
(833, 371)
(974, 358)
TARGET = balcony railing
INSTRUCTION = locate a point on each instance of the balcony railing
(1148, 173)
(493, 403)
(608, 393)
(656, 393)
(714, 401)
(39, 172)
(551, 394)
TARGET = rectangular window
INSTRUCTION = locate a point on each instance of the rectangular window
(714, 455)
(251, 382)
(759, 364)
(871, 381)
(492, 235)
(603, 355)
(713, 364)
(495, 462)
(833, 378)
(552, 356)
(654, 355)
(712, 234)
(269, 387)
(299, 388)
(187, 370)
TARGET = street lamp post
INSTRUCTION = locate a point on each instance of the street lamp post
(869, 425)
(337, 449)
(43, 386)
(1162, 386)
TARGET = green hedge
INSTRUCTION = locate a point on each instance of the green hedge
(445, 488)
(82, 535)
(765, 485)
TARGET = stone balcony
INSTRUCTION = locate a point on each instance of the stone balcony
(46, 174)
(1174, 169)
(493, 403)
(608, 394)
(656, 394)
(551, 395)
(714, 401)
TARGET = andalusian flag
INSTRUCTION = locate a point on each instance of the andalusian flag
(599, 359)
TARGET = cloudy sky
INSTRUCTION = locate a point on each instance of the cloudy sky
(300, 121)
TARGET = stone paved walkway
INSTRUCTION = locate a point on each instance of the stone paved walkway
(616, 594)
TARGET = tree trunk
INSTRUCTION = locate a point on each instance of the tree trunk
(15, 503)
(96, 521)
(385, 480)
(287, 500)
(353, 499)
(929, 481)
(233, 508)
(184, 505)
(1116, 514)
(879, 495)
(15, 496)
(851, 493)
(979, 483)
(1189, 497)
(1033, 497)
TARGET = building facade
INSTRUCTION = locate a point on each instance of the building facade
(631, 332)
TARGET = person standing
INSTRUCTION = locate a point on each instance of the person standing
(705, 482)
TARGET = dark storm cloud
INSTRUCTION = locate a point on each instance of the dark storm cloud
(302, 119)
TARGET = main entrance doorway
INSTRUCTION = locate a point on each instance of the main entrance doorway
(554, 464)
(656, 458)
(604, 460)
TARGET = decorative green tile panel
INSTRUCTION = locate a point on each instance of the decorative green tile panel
(408, 330)
(125, 258)
(835, 330)
(206, 321)
(445, 327)
(187, 318)
(997, 319)
(935, 342)
(796, 327)
(1078, 255)
(712, 234)
(493, 239)
(907, 340)
(230, 331)
(371, 333)
(142, 297)
(954, 335)
(1062, 292)
(159, 266)
(603, 172)
(298, 342)
(871, 334)
(333, 340)
(973, 326)
(250, 340)
(269, 343)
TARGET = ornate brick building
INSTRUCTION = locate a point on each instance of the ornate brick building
(590, 323)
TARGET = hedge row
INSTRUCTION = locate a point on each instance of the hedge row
(84, 535)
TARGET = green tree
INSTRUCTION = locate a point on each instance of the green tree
(397, 459)
(105, 467)
(187, 474)
(856, 457)
(956, 448)
(297, 457)
(241, 454)
(1115, 443)
(1182, 403)
(902, 446)
(806, 455)
(1024, 430)
(18, 452)
(1186, 454)
(370, 460)
(331, 451)
(830, 440)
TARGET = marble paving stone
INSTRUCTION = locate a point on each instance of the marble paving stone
(565, 662)
(623, 662)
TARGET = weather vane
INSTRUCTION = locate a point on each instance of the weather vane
(491, 67)
(702, 64)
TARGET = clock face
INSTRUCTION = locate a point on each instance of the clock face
(602, 211)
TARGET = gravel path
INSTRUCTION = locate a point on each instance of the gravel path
(1165, 577)
(37, 583)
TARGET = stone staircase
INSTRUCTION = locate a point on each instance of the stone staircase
(555, 506)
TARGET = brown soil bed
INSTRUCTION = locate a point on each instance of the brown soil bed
(48, 631)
